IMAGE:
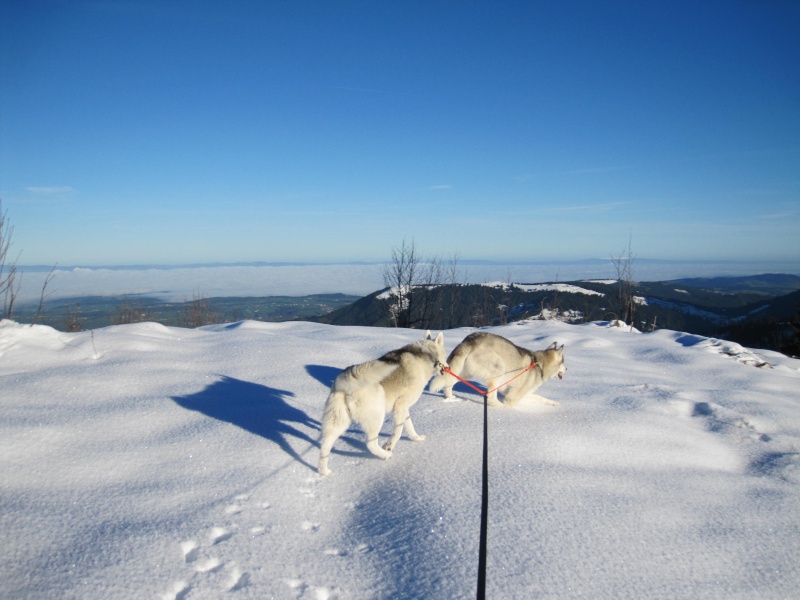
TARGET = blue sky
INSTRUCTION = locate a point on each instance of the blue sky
(183, 132)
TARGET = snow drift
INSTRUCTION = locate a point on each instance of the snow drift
(146, 461)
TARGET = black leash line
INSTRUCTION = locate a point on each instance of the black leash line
(481, 594)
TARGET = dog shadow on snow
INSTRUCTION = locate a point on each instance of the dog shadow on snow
(258, 409)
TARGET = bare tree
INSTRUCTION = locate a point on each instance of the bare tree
(9, 283)
(73, 322)
(400, 276)
(455, 280)
(417, 296)
(44, 295)
(623, 266)
(198, 312)
(132, 312)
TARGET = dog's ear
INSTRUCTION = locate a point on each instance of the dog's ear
(428, 335)
(552, 346)
(440, 339)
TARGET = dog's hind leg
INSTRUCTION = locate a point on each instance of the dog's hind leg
(512, 396)
(372, 421)
(331, 431)
(491, 398)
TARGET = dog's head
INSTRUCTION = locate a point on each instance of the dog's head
(437, 349)
(555, 366)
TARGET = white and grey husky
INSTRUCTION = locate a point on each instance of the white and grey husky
(364, 393)
(493, 360)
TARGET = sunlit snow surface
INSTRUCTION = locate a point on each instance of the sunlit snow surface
(141, 461)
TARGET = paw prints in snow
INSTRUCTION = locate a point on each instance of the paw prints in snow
(206, 566)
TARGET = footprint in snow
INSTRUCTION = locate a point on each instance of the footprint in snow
(319, 593)
(210, 565)
(190, 549)
(238, 579)
(310, 482)
(309, 526)
(238, 505)
(323, 593)
(178, 591)
(219, 534)
(719, 419)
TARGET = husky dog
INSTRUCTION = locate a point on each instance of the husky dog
(493, 361)
(364, 393)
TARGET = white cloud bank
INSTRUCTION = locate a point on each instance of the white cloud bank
(180, 283)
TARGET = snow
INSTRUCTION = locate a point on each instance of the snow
(678, 307)
(556, 287)
(142, 461)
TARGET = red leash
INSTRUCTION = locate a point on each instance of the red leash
(486, 393)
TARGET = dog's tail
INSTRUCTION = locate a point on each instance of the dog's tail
(336, 415)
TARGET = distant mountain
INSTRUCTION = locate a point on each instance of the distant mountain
(772, 284)
(755, 309)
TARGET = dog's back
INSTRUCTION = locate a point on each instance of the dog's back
(363, 377)
(364, 374)
(480, 355)
(493, 360)
(415, 366)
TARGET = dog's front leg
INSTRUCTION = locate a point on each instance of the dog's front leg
(411, 432)
(401, 420)
(397, 431)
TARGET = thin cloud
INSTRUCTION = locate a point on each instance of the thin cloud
(594, 170)
(585, 171)
(55, 190)
(785, 210)
(595, 208)
(778, 216)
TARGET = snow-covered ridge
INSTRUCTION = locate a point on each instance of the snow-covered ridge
(556, 287)
(155, 462)
(677, 306)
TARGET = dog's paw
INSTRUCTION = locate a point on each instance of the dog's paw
(324, 472)
(542, 400)
(419, 438)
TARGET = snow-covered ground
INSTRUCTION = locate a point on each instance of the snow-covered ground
(141, 461)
